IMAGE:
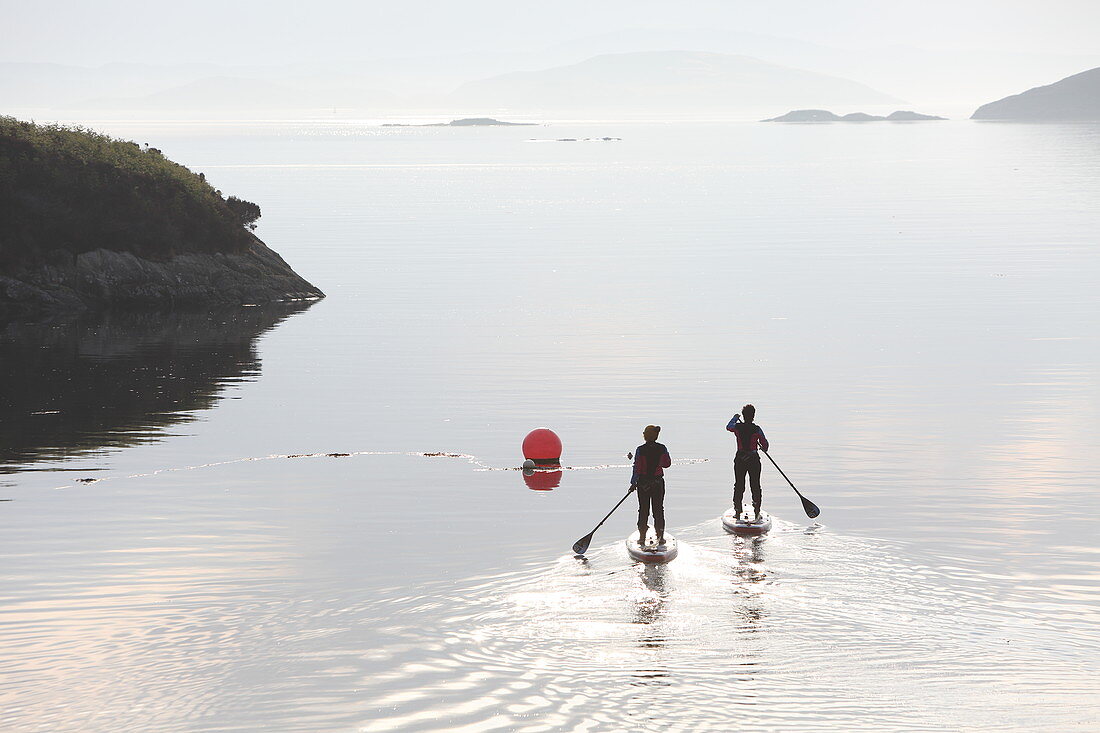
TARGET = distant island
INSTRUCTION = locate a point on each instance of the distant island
(821, 115)
(1073, 99)
(576, 140)
(467, 122)
(89, 222)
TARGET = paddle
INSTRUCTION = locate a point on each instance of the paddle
(811, 509)
(581, 545)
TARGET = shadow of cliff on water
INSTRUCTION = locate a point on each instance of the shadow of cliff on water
(71, 386)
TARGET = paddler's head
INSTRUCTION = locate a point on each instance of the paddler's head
(651, 432)
(749, 412)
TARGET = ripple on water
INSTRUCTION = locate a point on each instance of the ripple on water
(802, 628)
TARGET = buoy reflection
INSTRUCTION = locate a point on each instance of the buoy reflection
(541, 480)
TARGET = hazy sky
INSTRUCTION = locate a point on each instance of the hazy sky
(292, 31)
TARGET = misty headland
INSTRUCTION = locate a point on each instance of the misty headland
(1073, 99)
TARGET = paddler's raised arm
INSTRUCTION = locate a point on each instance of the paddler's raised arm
(736, 419)
(639, 467)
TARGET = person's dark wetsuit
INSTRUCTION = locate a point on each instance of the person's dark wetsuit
(750, 438)
(648, 476)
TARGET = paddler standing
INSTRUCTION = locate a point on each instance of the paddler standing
(648, 478)
(750, 438)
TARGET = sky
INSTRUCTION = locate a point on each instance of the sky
(274, 32)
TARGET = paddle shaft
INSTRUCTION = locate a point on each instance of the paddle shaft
(811, 508)
(581, 545)
(777, 468)
(630, 456)
(612, 511)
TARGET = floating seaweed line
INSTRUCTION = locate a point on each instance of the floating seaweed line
(471, 459)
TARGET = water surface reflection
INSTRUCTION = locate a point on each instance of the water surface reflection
(70, 387)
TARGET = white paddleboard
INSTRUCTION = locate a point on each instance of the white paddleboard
(743, 525)
(651, 552)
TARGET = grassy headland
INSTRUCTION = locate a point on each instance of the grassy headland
(89, 222)
(74, 190)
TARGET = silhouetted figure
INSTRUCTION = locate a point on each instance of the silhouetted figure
(650, 460)
(750, 438)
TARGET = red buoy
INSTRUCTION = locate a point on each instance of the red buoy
(542, 445)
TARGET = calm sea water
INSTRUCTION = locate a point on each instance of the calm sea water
(912, 308)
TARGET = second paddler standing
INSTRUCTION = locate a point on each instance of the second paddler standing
(750, 438)
(648, 478)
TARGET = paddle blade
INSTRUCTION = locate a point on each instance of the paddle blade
(811, 509)
(581, 545)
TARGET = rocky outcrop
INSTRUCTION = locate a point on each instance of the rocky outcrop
(1073, 99)
(104, 278)
(822, 115)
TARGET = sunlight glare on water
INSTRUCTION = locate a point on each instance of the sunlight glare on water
(800, 626)
(308, 518)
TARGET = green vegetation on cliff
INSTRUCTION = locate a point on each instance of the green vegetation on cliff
(65, 191)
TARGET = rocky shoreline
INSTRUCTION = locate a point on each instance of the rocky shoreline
(102, 279)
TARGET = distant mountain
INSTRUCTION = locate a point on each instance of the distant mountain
(232, 93)
(397, 85)
(924, 76)
(1074, 98)
(666, 82)
(216, 92)
(197, 88)
(821, 115)
(24, 85)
